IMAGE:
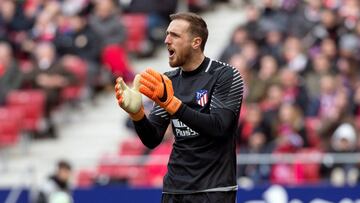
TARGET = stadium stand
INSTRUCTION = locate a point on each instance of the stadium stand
(299, 60)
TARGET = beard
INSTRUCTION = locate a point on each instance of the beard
(176, 62)
(180, 59)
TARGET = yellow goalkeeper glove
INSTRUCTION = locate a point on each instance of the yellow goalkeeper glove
(130, 99)
(158, 87)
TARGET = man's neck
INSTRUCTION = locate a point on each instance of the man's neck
(194, 63)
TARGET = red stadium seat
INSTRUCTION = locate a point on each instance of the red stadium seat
(157, 168)
(9, 126)
(298, 172)
(77, 67)
(131, 173)
(85, 178)
(140, 178)
(283, 174)
(32, 104)
(131, 146)
(311, 170)
(136, 27)
(117, 171)
(108, 166)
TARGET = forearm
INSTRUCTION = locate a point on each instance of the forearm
(150, 135)
(217, 123)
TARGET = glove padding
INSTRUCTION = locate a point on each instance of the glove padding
(158, 87)
(130, 99)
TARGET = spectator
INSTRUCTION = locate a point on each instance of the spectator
(7, 13)
(265, 76)
(239, 62)
(252, 25)
(321, 105)
(328, 48)
(56, 188)
(291, 138)
(255, 173)
(49, 75)
(15, 20)
(305, 18)
(77, 38)
(71, 8)
(107, 25)
(251, 54)
(273, 44)
(252, 121)
(327, 28)
(80, 40)
(272, 18)
(349, 13)
(349, 45)
(320, 65)
(237, 40)
(294, 88)
(336, 110)
(290, 128)
(271, 103)
(10, 75)
(348, 73)
(343, 140)
(45, 26)
(294, 56)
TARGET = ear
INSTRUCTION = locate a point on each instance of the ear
(196, 42)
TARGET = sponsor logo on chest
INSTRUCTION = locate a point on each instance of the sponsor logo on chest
(182, 130)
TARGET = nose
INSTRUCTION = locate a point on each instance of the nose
(167, 39)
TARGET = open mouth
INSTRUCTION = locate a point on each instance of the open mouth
(171, 52)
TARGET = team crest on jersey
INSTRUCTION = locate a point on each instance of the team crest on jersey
(202, 97)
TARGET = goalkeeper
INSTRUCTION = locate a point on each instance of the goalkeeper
(201, 99)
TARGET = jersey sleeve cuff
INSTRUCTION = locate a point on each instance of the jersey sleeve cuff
(180, 111)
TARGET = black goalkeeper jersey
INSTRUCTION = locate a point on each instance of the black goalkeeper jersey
(203, 158)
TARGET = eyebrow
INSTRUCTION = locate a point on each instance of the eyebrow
(172, 33)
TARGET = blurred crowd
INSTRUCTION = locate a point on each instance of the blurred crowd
(69, 50)
(59, 52)
(300, 62)
(299, 59)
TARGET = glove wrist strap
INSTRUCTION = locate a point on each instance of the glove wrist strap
(137, 116)
(173, 105)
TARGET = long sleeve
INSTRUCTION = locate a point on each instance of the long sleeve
(217, 123)
(224, 107)
(151, 130)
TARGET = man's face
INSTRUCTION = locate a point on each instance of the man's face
(178, 41)
(64, 174)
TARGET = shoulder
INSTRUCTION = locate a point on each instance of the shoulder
(172, 73)
(49, 186)
(224, 70)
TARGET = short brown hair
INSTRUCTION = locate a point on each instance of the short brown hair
(198, 27)
(63, 164)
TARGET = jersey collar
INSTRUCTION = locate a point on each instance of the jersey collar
(199, 69)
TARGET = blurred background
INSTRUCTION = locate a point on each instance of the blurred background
(64, 139)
